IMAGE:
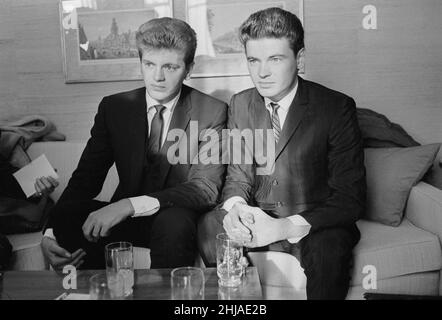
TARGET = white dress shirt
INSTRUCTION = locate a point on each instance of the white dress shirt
(284, 106)
(145, 205)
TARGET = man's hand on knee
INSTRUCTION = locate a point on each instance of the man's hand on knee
(59, 257)
(264, 229)
(99, 223)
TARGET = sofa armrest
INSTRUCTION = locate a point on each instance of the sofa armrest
(424, 208)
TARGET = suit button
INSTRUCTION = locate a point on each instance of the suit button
(275, 182)
(279, 204)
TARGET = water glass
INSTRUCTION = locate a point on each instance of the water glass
(229, 262)
(187, 283)
(120, 262)
(103, 288)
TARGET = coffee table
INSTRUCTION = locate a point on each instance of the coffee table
(150, 284)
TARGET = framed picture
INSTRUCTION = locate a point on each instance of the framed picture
(98, 37)
(216, 23)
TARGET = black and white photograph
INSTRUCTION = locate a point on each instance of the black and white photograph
(220, 158)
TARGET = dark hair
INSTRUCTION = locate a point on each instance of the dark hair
(273, 23)
(167, 33)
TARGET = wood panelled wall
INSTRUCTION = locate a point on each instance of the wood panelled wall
(395, 70)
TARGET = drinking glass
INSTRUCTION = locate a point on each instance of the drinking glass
(229, 260)
(103, 288)
(120, 262)
(187, 283)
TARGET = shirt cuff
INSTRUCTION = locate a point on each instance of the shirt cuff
(50, 234)
(228, 204)
(299, 221)
(144, 206)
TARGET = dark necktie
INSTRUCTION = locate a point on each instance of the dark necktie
(156, 130)
(275, 121)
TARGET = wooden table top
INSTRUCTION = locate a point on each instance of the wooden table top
(150, 284)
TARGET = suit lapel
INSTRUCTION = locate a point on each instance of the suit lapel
(138, 132)
(296, 113)
(180, 120)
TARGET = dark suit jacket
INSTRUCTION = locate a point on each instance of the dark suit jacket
(119, 135)
(319, 171)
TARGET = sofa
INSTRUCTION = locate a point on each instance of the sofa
(407, 258)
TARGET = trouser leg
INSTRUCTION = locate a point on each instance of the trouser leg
(209, 226)
(173, 239)
(326, 256)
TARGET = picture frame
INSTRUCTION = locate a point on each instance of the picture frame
(98, 37)
(219, 52)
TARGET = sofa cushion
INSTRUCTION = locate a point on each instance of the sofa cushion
(27, 253)
(22, 241)
(395, 251)
(391, 173)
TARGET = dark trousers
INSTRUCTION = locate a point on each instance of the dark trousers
(325, 255)
(170, 234)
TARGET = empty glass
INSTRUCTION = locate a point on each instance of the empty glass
(187, 283)
(120, 262)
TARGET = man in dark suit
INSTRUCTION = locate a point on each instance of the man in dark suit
(153, 135)
(308, 202)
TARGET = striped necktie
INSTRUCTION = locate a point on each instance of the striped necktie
(275, 121)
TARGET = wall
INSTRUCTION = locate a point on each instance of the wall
(395, 70)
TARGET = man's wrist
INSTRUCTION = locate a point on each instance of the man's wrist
(127, 208)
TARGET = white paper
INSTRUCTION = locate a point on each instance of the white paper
(26, 176)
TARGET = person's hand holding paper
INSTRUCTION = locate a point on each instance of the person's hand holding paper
(37, 177)
(45, 185)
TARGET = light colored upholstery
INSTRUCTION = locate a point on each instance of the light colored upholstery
(281, 275)
(424, 210)
(423, 283)
(279, 269)
(141, 258)
(27, 252)
(395, 251)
